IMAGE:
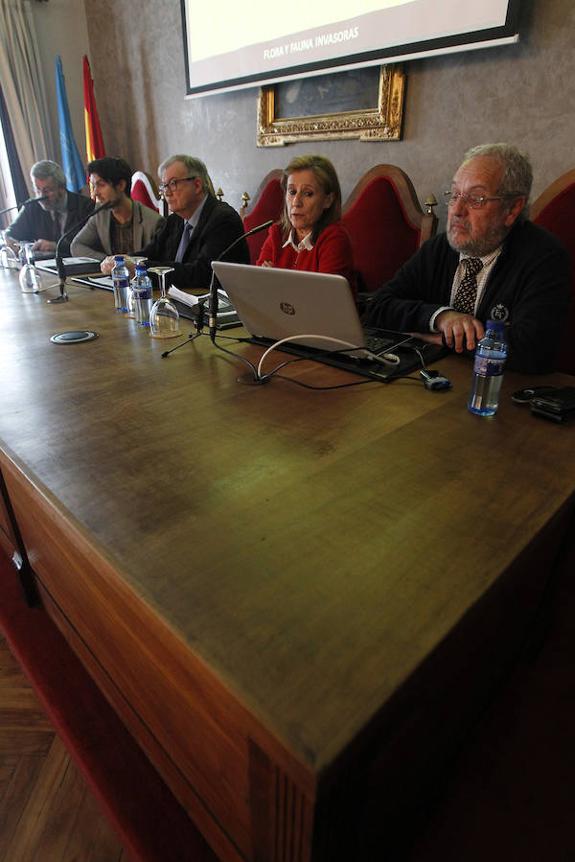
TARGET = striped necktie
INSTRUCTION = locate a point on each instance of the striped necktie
(467, 291)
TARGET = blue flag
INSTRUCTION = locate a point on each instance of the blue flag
(71, 161)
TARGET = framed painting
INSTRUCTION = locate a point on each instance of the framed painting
(365, 104)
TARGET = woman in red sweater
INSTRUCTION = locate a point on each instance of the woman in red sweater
(310, 235)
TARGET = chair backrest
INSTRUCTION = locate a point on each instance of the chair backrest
(386, 224)
(268, 204)
(145, 191)
(554, 210)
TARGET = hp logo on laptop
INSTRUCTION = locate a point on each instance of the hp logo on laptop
(287, 308)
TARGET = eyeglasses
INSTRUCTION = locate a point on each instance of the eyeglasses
(47, 190)
(475, 202)
(172, 185)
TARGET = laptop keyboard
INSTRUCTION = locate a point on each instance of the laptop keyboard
(411, 352)
(383, 343)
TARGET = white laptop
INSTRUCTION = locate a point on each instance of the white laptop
(274, 304)
(280, 303)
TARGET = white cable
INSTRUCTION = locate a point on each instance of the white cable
(368, 354)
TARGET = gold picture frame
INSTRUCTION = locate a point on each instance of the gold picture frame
(382, 122)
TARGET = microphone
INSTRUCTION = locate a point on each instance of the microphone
(63, 297)
(213, 304)
(23, 204)
(31, 200)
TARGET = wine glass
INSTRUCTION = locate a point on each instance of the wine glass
(164, 317)
(8, 257)
(30, 279)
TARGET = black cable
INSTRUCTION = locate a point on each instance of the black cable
(245, 361)
(327, 388)
(265, 378)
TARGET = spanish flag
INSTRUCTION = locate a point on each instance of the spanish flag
(94, 141)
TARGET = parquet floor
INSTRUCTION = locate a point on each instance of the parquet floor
(47, 812)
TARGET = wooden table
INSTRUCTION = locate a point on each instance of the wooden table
(295, 599)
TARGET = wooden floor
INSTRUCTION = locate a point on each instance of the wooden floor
(47, 813)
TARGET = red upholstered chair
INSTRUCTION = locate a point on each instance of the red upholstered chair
(268, 204)
(145, 191)
(386, 224)
(554, 210)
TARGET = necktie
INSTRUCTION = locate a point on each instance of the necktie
(184, 241)
(467, 291)
(59, 222)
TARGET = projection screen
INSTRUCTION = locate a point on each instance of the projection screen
(228, 46)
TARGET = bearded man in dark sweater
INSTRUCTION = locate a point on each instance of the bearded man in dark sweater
(56, 211)
(491, 263)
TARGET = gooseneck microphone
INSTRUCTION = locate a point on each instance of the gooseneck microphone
(213, 303)
(23, 204)
(63, 297)
(212, 295)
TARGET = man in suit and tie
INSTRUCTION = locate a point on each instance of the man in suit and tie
(198, 230)
(43, 222)
(492, 262)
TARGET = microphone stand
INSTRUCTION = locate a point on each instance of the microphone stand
(23, 204)
(63, 296)
(213, 305)
(213, 295)
(9, 209)
(199, 324)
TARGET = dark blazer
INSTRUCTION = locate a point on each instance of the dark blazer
(530, 282)
(218, 227)
(33, 222)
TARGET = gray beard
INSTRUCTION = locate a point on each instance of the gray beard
(58, 206)
(480, 247)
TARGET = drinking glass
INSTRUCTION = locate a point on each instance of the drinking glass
(164, 317)
(30, 279)
(8, 257)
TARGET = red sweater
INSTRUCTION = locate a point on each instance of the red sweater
(332, 253)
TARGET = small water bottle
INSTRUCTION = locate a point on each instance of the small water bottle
(490, 356)
(142, 295)
(121, 282)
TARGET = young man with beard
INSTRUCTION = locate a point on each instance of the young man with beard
(491, 262)
(123, 228)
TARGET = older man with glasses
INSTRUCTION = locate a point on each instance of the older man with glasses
(491, 263)
(56, 211)
(198, 230)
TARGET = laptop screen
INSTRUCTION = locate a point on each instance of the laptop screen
(279, 303)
